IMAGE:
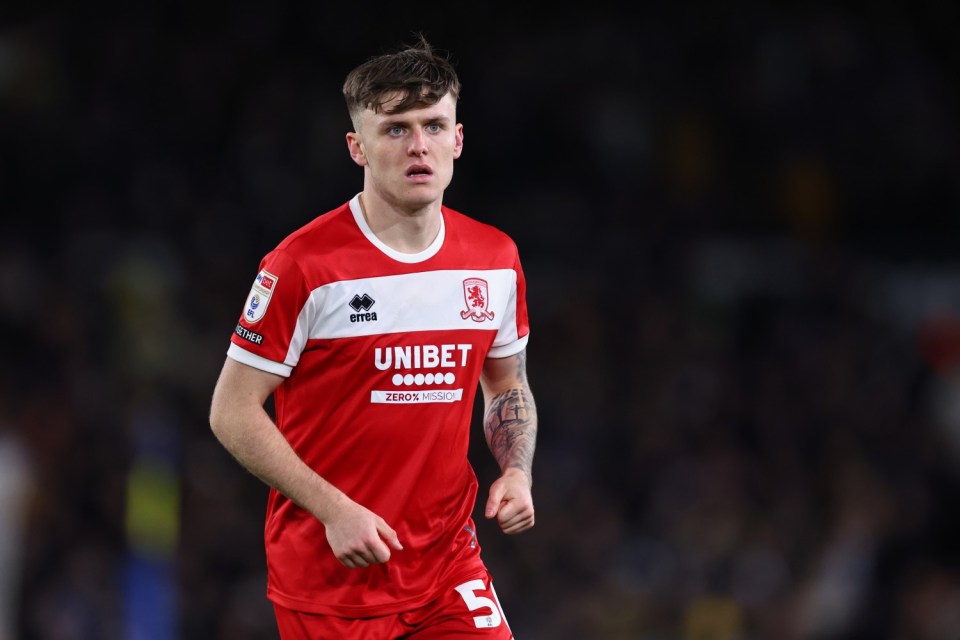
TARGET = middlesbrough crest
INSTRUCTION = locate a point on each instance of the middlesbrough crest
(475, 295)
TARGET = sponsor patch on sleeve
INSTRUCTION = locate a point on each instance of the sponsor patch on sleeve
(246, 334)
(259, 297)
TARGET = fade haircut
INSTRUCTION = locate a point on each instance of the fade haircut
(417, 73)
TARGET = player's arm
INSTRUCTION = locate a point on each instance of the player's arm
(240, 422)
(510, 426)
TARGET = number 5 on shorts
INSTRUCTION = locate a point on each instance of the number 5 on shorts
(474, 602)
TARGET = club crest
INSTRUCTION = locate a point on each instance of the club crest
(475, 295)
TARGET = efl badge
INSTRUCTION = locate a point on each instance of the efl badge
(259, 296)
(475, 294)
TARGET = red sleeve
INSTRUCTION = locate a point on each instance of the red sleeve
(271, 332)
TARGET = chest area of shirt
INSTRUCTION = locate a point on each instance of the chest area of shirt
(427, 301)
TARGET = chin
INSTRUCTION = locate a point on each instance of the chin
(421, 195)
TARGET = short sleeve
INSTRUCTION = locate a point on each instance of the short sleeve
(270, 332)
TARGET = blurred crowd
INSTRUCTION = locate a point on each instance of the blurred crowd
(738, 233)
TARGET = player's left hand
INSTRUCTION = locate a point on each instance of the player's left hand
(511, 501)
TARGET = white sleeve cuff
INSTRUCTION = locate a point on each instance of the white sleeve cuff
(507, 350)
(258, 362)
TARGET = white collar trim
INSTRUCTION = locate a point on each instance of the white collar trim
(426, 254)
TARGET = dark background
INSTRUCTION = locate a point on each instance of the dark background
(739, 233)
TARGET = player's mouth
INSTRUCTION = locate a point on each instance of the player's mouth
(419, 172)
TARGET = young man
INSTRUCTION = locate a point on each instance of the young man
(372, 327)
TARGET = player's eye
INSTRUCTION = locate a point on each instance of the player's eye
(395, 130)
(434, 128)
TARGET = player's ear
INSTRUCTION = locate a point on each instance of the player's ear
(458, 141)
(355, 147)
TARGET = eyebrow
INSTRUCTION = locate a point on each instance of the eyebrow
(399, 119)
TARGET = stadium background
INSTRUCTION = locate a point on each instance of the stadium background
(739, 233)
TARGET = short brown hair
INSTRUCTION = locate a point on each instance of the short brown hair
(419, 74)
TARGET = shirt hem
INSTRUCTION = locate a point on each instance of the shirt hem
(368, 611)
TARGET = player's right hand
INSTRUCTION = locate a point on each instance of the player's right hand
(359, 537)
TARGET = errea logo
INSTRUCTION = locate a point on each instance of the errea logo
(362, 303)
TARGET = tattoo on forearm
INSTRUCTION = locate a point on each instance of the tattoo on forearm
(510, 425)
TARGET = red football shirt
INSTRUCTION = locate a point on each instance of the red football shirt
(382, 353)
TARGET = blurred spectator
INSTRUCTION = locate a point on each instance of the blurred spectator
(16, 488)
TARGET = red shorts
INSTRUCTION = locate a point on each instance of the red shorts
(468, 610)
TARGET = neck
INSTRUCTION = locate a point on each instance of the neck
(403, 230)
